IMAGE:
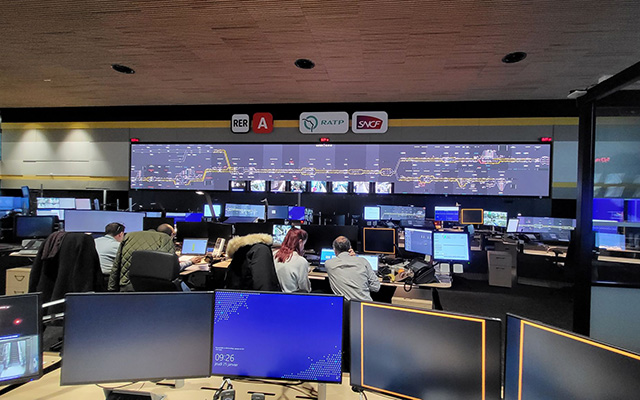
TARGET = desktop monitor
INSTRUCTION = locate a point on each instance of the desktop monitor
(361, 187)
(238, 186)
(47, 202)
(67, 203)
(136, 336)
(8, 203)
(154, 223)
(512, 225)
(424, 354)
(633, 210)
(340, 187)
(318, 187)
(470, 216)
(326, 254)
(451, 246)
(296, 213)
(258, 186)
(371, 213)
(543, 362)
(308, 215)
(495, 218)
(277, 212)
(384, 187)
(278, 186)
(27, 227)
(191, 230)
(379, 240)
(95, 221)
(218, 230)
(610, 241)
(217, 208)
(298, 186)
(608, 209)
(57, 213)
(83, 204)
(247, 228)
(20, 338)
(446, 213)
(303, 343)
(191, 217)
(244, 210)
(279, 232)
(153, 214)
(177, 216)
(398, 213)
(25, 191)
(194, 247)
(418, 241)
(322, 236)
(372, 259)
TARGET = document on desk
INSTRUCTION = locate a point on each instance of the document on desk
(197, 267)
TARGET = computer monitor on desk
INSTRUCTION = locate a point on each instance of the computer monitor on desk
(326, 254)
(450, 246)
(418, 241)
(379, 240)
(28, 227)
(194, 247)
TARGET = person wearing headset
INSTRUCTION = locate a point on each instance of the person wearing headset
(107, 247)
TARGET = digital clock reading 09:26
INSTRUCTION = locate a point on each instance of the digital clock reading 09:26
(224, 357)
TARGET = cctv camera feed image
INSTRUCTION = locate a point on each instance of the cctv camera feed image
(20, 353)
(318, 187)
(278, 186)
(495, 218)
(340, 187)
(361, 187)
(258, 186)
(303, 343)
(383, 187)
(279, 233)
(238, 186)
(298, 186)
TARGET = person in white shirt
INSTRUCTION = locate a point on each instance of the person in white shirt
(107, 246)
(291, 266)
(350, 276)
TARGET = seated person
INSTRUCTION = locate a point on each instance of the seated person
(350, 276)
(107, 247)
(291, 267)
(252, 266)
(168, 229)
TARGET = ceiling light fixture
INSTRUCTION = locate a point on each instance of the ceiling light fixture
(304, 63)
(122, 69)
(514, 57)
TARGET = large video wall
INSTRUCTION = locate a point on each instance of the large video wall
(476, 169)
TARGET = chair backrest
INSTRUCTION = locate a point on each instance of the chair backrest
(154, 271)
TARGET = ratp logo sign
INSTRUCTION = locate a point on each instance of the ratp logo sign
(324, 122)
(369, 122)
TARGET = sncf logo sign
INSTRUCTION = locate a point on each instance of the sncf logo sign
(369, 122)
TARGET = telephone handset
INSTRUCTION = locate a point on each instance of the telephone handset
(218, 248)
(424, 275)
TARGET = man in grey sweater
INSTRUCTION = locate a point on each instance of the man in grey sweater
(350, 276)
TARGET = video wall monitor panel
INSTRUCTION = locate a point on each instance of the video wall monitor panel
(238, 186)
(249, 342)
(495, 218)
(512, 225)
(608, 209)
(20, 338)
(447, 213)
(379, 240)
(95, 221)
(554, 228)
(133, 337)
(371, 213)
(633, 210)
(451, 246)
(278, 186)
(543, 362)
(418, 241)
(453, 169)
(440, 355)
(398, 213)
(244, 210)
(298, 186)
(318, 187)
(47, 202)
(279, 232)
(472, 216)
(277, 212)
(217, 208)
(258, 186)
(28, 227)
(83, 204)
(361, 187)
(340, 187)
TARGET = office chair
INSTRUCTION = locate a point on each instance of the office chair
(154, 271)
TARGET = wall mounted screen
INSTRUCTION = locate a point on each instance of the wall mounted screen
(95, 221)
(398, 213)
(543, 362)
(20, 338)
(422, 354)
(303, 343)
(136, 336)
(482, 169)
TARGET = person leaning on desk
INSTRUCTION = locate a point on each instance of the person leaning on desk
(350, 276)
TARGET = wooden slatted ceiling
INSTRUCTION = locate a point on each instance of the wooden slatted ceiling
(239, 51)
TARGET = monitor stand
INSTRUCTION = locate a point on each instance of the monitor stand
(322, 391)
(120, 394)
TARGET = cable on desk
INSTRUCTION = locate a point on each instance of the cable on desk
(311, 392)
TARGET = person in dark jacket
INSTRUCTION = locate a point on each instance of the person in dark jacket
(251, 266)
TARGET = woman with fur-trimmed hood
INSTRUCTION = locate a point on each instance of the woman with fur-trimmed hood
(251, 266)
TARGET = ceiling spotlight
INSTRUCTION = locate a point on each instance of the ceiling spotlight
(575, 93)
(514, 57)
(122, 69)
(304, 63)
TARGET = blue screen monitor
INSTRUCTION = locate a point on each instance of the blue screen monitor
(296, 213)
(153, 214)
(451, 246)
(633, 210)
(608, 209)
(249, 342)
(610, 241)
(277, 212)
(418, 241)
(217, 208)
(544, 362)
(20, 338)
(279, 233)
(446, 213)
(495, 218)
(142, 344)
(244, 210)
(8, 203)
(605, 228)
(326, 254)
(371, 213)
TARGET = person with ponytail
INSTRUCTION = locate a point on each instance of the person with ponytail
(291, 267)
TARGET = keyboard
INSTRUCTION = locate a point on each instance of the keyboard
(28, 252)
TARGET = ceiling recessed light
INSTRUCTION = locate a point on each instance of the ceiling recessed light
(514, 57)
(304, 63)
(47, 80)
(122, 69)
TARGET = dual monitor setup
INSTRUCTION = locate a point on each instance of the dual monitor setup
(421, 354)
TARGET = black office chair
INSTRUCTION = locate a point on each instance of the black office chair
(154, 271)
